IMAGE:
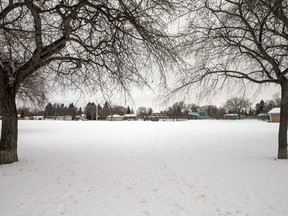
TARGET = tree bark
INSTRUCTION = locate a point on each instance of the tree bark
(9, 131)
(282, 136)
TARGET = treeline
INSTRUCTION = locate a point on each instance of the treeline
(266, 106)
(54, 110)
(235, 105)
(51, 110)
(105, 110)
(179, 110)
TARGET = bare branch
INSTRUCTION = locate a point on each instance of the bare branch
(237, 39)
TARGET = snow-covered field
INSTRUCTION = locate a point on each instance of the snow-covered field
(191, 168)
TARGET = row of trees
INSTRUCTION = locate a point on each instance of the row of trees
(105, 110)
(236, 105)
(180, 110)
(61, 110)
(54, 110)
(266, 106)
(50, 110)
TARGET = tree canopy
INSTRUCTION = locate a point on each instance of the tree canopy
(235, 41)
(85, 42)
(98, 45)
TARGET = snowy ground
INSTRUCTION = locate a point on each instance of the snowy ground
(191, 168)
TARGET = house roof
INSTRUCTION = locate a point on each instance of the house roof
(262, 114)
(193, 114)
(114, 116)
(275, 110)
(130, 115)
(231, 114)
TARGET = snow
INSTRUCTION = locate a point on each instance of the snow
(201, 168)
(275, 110)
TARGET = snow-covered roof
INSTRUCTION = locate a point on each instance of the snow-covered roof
(275, 110)
(114, 116)
(193, 113)
(130, 115)
(231, 115)
(262, 114)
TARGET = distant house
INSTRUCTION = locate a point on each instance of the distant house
(193, 115)
(50, 117)
(38, 117)
(81, 117)
(63, 118)
(198, 115)
(114, 117)
(158, 116)
(274, 114)
(231, 116)
(130, 117)
(67, 118)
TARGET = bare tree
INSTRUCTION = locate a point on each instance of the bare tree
(177, 110)
(142, 111)
(237, 104)
(90, 111)
(33, 90)
(100, 44)
(120, 110)
(240, 40)
(277, 100)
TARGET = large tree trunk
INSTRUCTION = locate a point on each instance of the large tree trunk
(9, 132)
(282, 137)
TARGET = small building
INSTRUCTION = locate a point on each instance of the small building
(158, 116)
(198, 115)
(274, 114)
(67, 117)
(81, 117)
(193, 115)
(114, 117)
(50, 117)
(130, 117)
(38, 117)
(63, 118)
(231, 116)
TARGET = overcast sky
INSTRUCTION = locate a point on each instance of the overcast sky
(148, 98)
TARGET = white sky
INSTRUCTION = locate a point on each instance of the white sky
(148, 98)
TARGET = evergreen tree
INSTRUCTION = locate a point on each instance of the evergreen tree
(90, 111)
(251, 113)
(128, 111)
(150, 111)
(259, 107)
(49, 110)
(79, 111)
(71, 110)
(107, 110)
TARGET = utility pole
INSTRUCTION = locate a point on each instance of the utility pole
(96, 113)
